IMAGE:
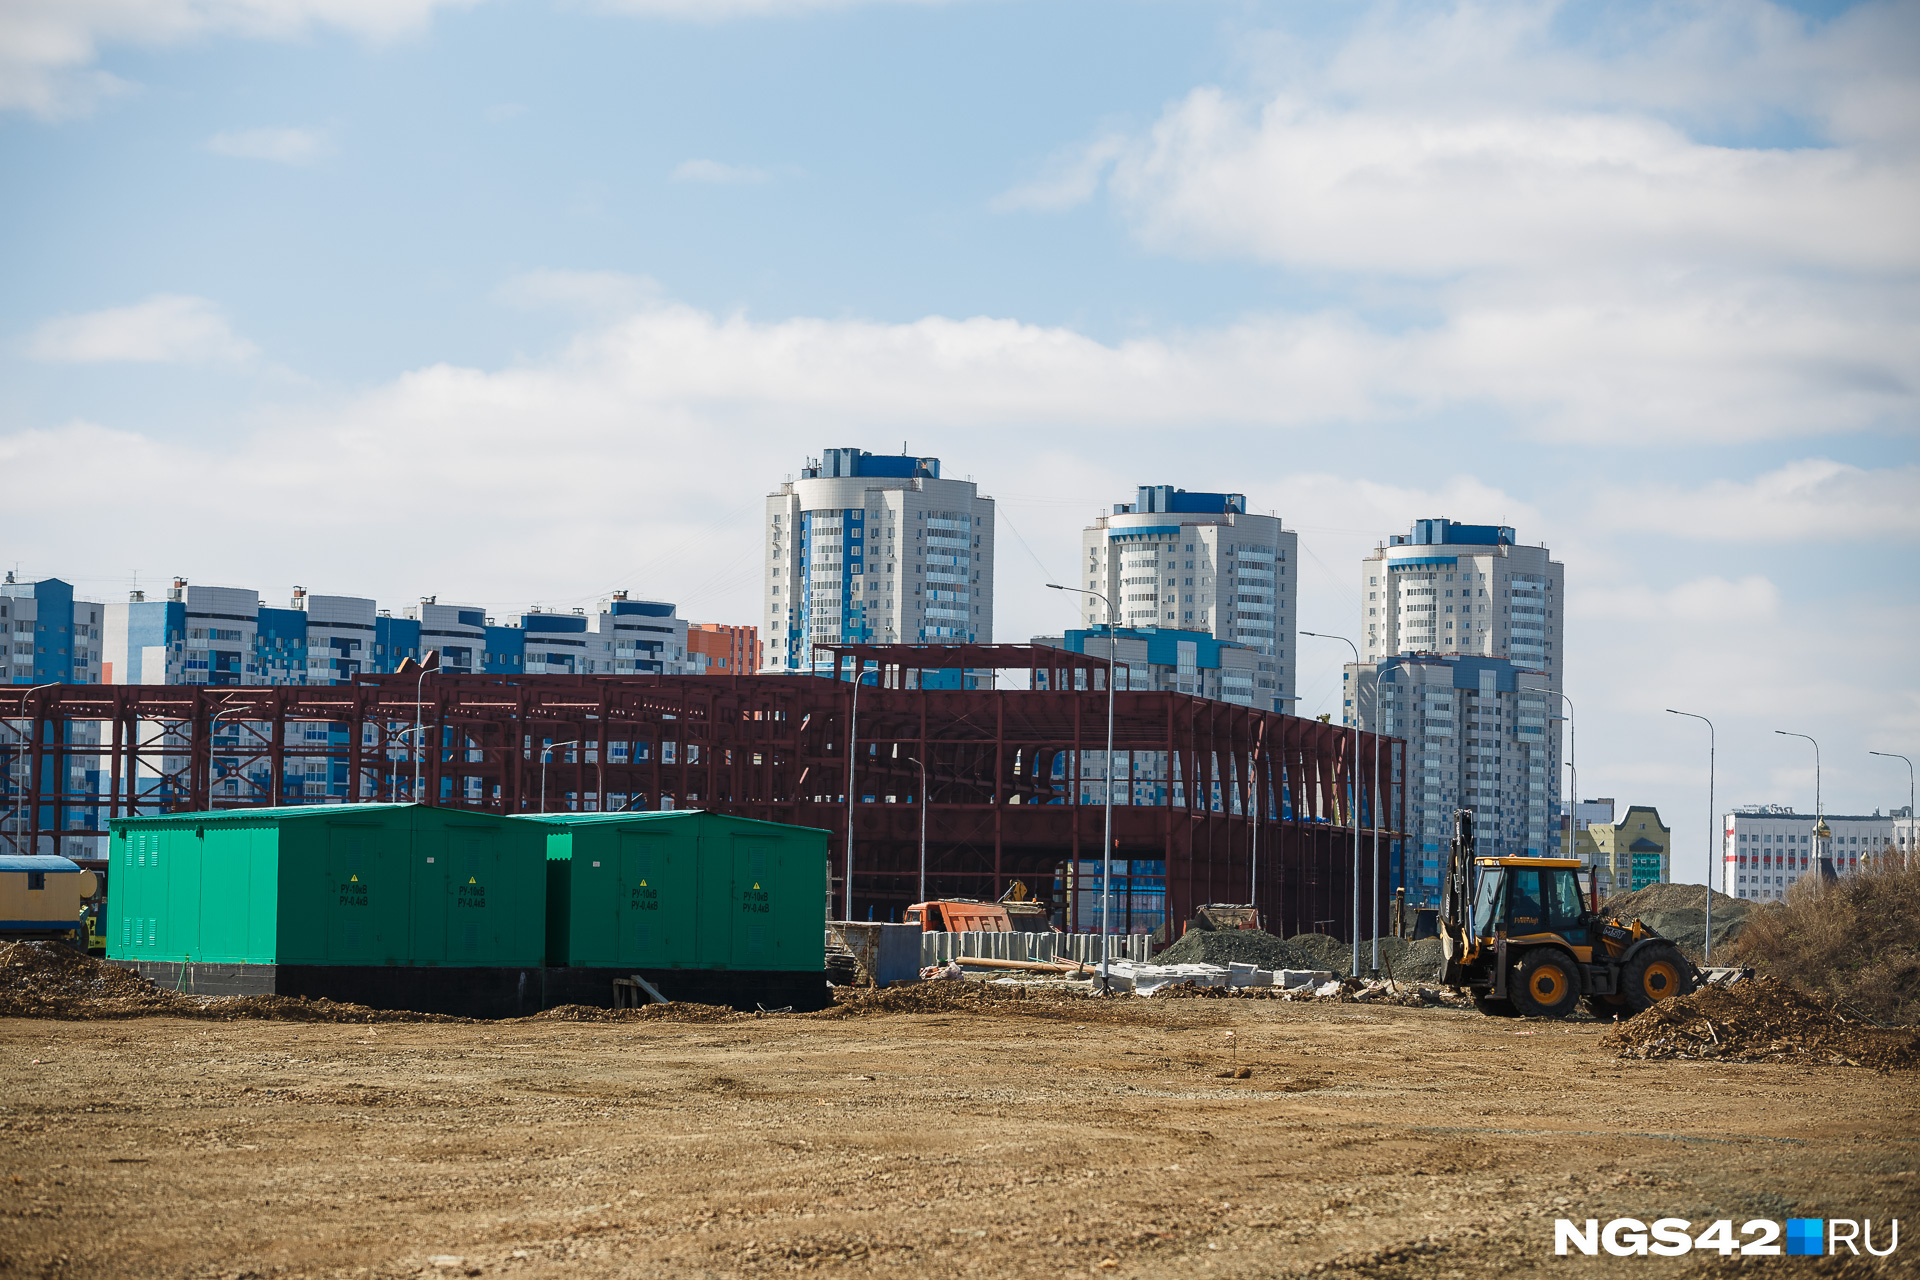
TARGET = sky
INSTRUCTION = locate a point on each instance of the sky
(517, 302)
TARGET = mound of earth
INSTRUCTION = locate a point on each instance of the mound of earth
(1679, 912)
(1234, 946)
(1760, 1020)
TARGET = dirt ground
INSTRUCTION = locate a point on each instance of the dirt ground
(1086, 1138)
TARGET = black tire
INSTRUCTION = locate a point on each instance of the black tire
(1546, 983)
(1494, 1008)
(1655, 973)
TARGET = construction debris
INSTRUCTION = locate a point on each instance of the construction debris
(1761, 1020)
(53, 980)
(1399, 958)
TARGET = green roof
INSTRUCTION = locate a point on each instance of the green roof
(261, 813)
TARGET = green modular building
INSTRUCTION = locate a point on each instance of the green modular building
(684, 890)
(369, 885)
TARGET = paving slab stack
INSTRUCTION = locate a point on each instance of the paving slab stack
(938, 948)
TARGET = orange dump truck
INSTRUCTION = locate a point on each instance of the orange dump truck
(960, 915)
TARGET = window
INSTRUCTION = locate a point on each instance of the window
(36, 880)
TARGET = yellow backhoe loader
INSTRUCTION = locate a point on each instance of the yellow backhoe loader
(1520, 937)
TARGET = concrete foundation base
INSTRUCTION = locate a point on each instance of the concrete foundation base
(483, 992)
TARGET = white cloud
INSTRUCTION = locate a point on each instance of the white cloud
(1071, 179)
(164, 329)
(1814, 499)
(1545, 223)
(1385, 192)
(718, 174)
(48, 48)
(282, 146)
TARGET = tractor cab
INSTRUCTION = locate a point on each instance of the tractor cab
(1525, 897)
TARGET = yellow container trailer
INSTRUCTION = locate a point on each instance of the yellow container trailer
(40, 897)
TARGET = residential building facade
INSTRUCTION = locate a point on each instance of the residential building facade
(1477, 738)
(1579, 817)
(48, 637)
(1197, 562)
(1171, 660)
(717, 648)
(1629, 854)
(1769, 848)
(1452, 588)
(875, 549)
(226, 636)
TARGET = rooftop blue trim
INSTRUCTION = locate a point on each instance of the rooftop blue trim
(1166, 498)
(1163, 644)
(855, 463)
(643, 608)
(1443, 532)
(1466, 670)
(1415, 562)
(1145, 531)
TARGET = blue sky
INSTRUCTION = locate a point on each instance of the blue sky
(295, 290)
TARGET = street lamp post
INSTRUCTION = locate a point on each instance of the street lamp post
(546, 755)
(923, 828)
(1573, 779)
(1714, 850)
(429, 662)
(1819, 812)
(1889, 755)
(1354, 814)
(853, 720)
(1106, 844)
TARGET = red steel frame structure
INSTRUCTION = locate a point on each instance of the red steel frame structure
(1014, 776)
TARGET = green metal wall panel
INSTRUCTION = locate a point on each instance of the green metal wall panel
(686, 890)
(329, 884)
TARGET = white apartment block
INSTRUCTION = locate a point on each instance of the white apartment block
(1769, 848)
(1176, 560)
(875, 549)
(1477, 738)
(1451, 588)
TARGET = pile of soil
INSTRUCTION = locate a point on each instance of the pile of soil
(1761, 1020)
(1241, 946)
(1679, 912)
(45, 979)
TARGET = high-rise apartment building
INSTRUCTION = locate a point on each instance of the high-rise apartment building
(1454, 598)
(1451, 588)
(875, 549)
(1478, 737)
(1184, 561)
